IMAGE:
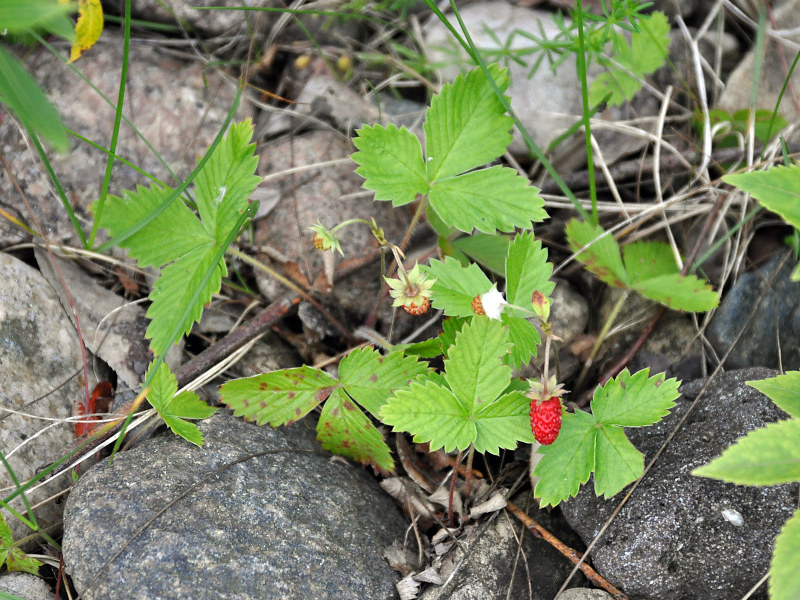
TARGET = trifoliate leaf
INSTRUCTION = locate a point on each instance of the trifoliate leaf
(634, 400)
(193, 247)
(488, 250)
(766, 456)
(456, 286)
(503, 423)
(490, 199)
(466, 125)
(174, 409)
(370, 378)
(431, 413)
(278, 398)
(783, 390)
(473, 368)
(645, 54)
(527, 270)
(391, 163)
(345, 430)
(469, 412)
(617, 461)
(777, 190)
(649, 268)
(602, 256)
(566, 463)
(523, 337)
(784, 576)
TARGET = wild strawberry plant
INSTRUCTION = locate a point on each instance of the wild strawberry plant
(596, 442)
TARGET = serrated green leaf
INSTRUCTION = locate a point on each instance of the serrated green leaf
(602, 257)
(777, 190)
(391, 163)
(567, 463)
(194, 247)
(474, 369)
(19, 92)
(175, 233)
(644, 260)
(766, 456)
(679, 292)
(492, 199)
(645, 54)
(174, 409)
(432, 414)
(634, 400)
(527, 270)
(278, 398)
(488, 250)
(503, 423)
(523, 337)
(617, 461)
(456, 286)
(784, 576)
(19, 562)
(343, 429)
(466, 125)
(370, 378)
(224, 184)
(783, 390)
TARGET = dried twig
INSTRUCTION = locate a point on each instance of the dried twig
(573, 555)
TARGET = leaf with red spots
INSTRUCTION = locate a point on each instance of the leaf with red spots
(278, 398)
(345, 430)
(371, 378)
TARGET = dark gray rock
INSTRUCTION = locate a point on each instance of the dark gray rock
(40, 377)
(777, 318)
(677, 536)
(288, 525)
(493, 568)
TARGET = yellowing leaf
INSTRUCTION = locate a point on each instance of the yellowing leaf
(88, 28)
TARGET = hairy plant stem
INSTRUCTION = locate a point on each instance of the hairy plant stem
(601, 338)
(453, 490)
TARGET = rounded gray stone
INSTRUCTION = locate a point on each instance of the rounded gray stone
(40, 377)
(291, 524)
(26, 585)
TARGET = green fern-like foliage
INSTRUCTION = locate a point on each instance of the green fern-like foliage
(466, 127)
(188, 247)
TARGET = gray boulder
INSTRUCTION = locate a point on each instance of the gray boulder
(777, 318)
(292, 524)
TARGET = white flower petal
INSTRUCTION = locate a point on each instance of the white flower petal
(493, 303)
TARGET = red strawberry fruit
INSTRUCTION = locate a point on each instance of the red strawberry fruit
(546, 419)
(545, 410)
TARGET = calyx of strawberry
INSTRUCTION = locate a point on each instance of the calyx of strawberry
(545, 390)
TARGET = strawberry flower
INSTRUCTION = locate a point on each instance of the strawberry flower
(412, 290)
(325, 239)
